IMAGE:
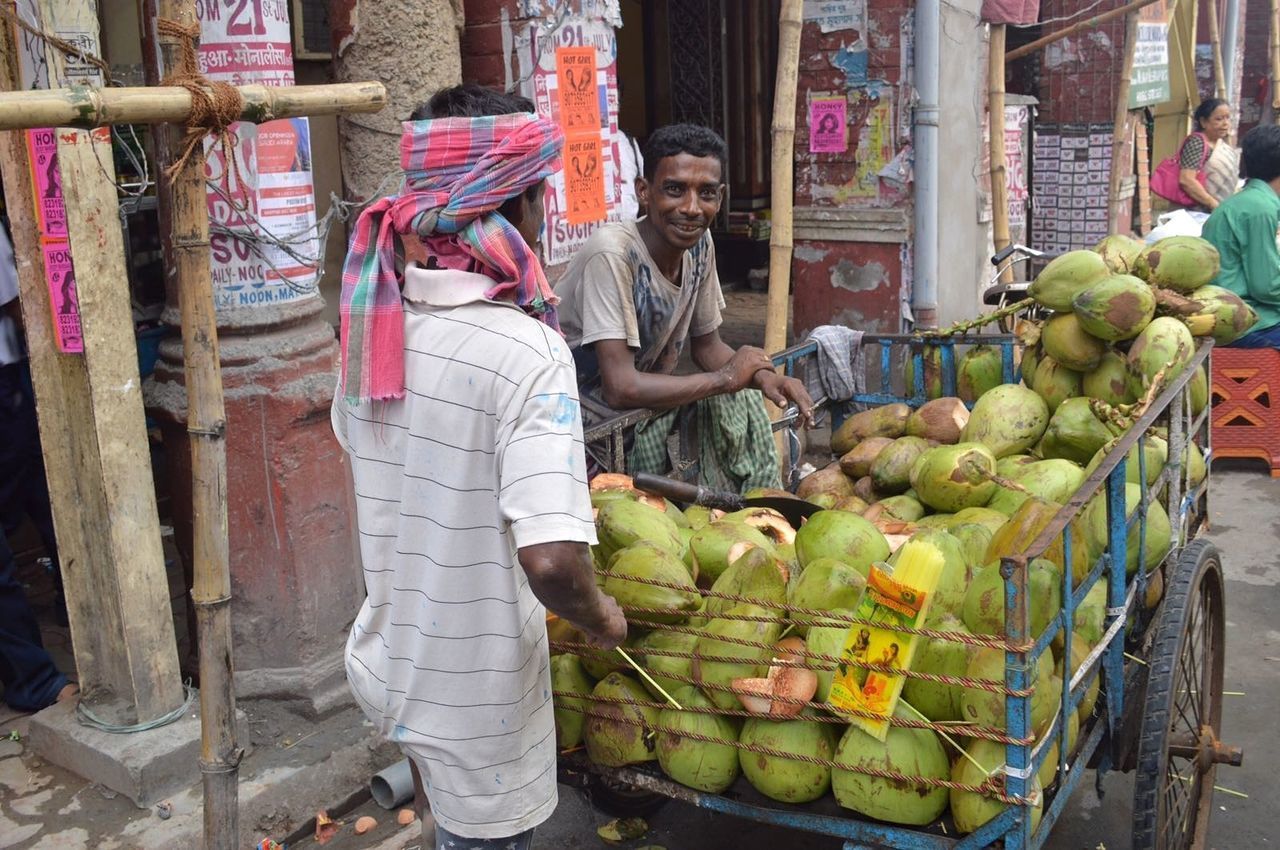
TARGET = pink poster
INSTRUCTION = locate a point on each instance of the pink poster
(828, 125)
(47, 182)
(62, 297)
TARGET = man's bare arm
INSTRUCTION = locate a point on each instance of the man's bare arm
(625, 387)
(562, 576)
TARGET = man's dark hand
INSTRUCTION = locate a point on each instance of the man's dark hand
(610, 628)
(741, 369)
(784, 391)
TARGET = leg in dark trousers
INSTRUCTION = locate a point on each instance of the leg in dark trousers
(31, 680)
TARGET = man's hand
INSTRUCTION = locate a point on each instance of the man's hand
(742, 367)
(784, 391)
(610, 630)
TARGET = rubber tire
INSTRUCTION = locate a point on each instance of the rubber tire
(619, 802)
(1200, 561)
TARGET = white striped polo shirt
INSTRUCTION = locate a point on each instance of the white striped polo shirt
(484, 455)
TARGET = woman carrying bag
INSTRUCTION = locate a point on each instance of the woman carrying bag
(1206, 170)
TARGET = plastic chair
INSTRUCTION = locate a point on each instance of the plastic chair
(1246, 404)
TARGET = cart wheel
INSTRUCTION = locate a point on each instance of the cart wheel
(621, 799)
(1178, 751)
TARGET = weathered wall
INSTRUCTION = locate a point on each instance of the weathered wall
(852, 223)
(412, 48)
(1080, 74)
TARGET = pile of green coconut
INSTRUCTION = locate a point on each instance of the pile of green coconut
(726, 610)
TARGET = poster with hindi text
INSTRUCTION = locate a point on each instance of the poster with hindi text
(267, 193)
(537, 50)
(62, 296)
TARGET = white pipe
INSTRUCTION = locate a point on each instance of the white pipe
(928, 57)
(1230, 37)
(393, 787)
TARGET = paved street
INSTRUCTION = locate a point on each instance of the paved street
(1246, 526)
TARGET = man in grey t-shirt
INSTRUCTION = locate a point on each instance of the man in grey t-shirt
(638, 291)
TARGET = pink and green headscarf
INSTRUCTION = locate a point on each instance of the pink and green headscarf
(458, 171)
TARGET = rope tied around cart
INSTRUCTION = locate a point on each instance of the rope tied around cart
(993, 787)
(215, 106)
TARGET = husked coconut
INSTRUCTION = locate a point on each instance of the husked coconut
(941, 420)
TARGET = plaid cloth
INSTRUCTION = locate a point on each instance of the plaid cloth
(458, 171)
(735, 443)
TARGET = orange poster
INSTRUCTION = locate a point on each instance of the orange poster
(579, 94)
(584, 180)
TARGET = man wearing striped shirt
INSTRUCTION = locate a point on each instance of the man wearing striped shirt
(469, 471)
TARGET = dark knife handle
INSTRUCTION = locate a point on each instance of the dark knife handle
(681, 491)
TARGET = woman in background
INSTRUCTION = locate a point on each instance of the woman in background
(1209, 167)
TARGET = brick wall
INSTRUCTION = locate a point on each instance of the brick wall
(483, 61)
(1255, 86)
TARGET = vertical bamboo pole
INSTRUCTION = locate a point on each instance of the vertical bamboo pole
(1275, 61)
(783, 187)
(782, 195)
(189, 262)
(1215, 43)
(1120, 132)
(995, 118)
(1144, 176)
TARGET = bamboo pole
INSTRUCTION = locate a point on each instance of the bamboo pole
(1140, 143)
(206, 426)
(995, 118)
(1275, 61)
(783, 188)
(1096, 20)
(1215, 43)
(83, 106)
(782, 192)
(1120, 132)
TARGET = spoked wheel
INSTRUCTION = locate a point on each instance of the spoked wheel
(1179, 750)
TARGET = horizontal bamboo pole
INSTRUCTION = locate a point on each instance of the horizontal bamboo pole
(1089, 23)
(87, 107)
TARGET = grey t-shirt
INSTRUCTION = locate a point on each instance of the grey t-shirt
(614, 290)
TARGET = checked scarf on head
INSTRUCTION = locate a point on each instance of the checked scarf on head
(458, 171)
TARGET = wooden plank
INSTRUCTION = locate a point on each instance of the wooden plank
(1000, 234)
(135, 563)
(1120, 210)
(61, 385)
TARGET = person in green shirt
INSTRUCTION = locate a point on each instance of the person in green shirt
(1243, 229)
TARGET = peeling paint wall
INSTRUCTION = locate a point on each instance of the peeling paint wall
(862, 58)
(1080, 75)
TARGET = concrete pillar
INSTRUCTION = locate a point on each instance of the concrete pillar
(413, 49)
(295, 578)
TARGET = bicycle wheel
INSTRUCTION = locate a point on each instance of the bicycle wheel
(1179, 750)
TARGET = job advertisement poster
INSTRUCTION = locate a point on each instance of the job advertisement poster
(268, 189)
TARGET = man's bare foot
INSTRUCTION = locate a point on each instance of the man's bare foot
(69, 691)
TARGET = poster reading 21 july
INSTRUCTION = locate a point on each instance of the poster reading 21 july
(268, 190)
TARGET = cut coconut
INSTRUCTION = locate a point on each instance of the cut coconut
(612, 481)
(782, 694)
(790, 649)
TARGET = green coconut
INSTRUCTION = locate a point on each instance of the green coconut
(983, 610)
(910, 752)
(568, 677)
(709, 547)
(827, 640)
(701, 765)
(1055, 479)
(784, 779)
(1074, 433)
(713, 676)
(662, 668)
(932, 359)
(1056, 383)
(891, 470)
(1181, 263)
(987, 708)
(1159, 530)
(1064, 338)
(1008, 420)
(843, 536)
(974, 540)
(623, 522)
(648, 562)
(1030, 362)
(1116, 307)
(1119, 252)
(825, 584)
(936, 701)
(951, 478)
(971, 810)
(619, 730)
(904, 508)
(1157, 453)
(949, 593)
(1165, 345)
(1232, 317)
(1065, 276)
(754, 575)
(1109, 381)
(979, 370)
